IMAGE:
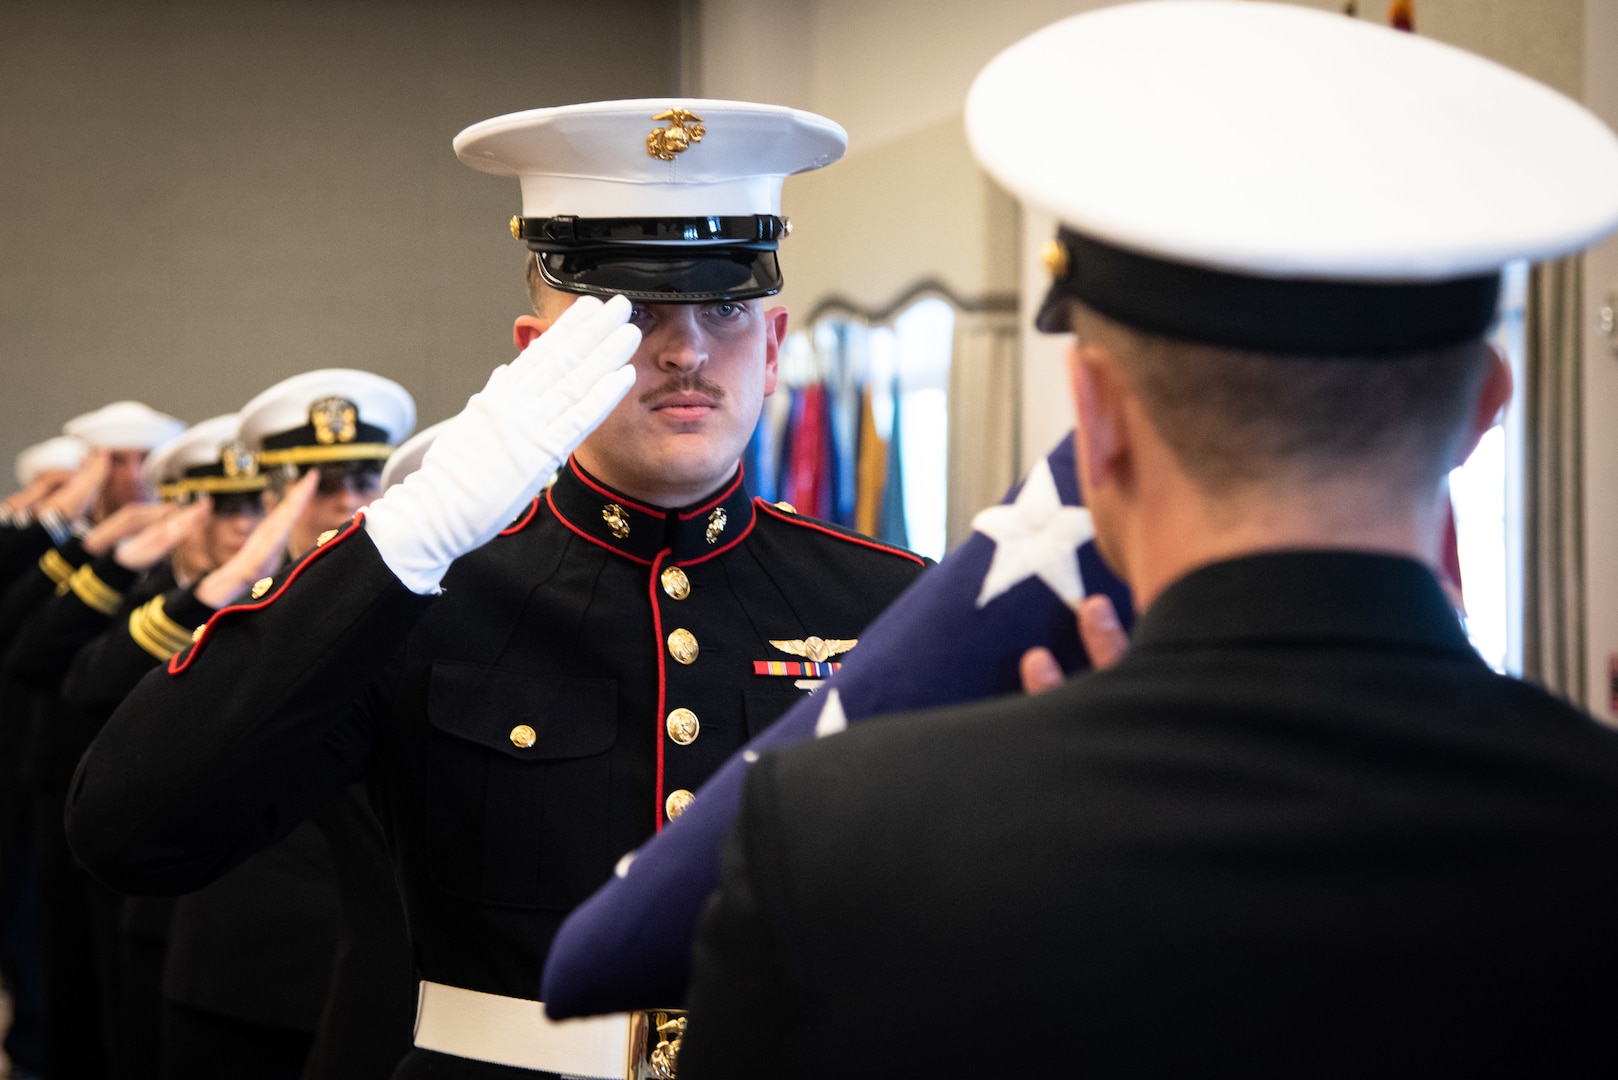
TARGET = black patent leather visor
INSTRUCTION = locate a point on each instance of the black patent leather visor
(671, 274)
(1299, 317)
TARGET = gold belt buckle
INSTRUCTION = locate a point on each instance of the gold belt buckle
(654, 1044)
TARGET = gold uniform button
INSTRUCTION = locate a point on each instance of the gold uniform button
(676, 803)
(522, 736)
(325, 538)
(683, 646)
(196, 635)
(788, 507)
(683, 726)
(675, 583)
(262, 586)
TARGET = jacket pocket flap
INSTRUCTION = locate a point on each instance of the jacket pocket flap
(490, 706)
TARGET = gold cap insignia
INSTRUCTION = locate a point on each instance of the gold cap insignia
(817, 649)
(685, 127)
(239, 462)
(1053, 253)
(613, 515)
(716, 524)
(335, 420)
(516, 227)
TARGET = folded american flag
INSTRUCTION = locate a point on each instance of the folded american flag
(956, 635)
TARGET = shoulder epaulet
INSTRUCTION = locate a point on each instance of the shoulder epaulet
(785, 512)
(261, 595)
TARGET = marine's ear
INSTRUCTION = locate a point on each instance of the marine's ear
(775, 332)
(1101, 435)
(526, 329)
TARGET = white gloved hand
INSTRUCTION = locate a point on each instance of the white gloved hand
(489, 461)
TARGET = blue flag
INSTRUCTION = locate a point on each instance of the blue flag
(956, 635)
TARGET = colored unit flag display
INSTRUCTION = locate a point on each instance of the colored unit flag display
(956, 635)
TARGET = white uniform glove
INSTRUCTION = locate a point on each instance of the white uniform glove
(489, 461)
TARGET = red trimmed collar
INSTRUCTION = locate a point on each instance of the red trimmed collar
(639, 531)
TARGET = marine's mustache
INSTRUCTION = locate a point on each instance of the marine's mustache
(684, 384)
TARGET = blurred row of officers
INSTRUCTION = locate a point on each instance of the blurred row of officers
(126, 533)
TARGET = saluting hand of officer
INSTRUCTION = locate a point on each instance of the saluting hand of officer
(42, 486)
(152, 544)
(75, 497)
(264, 549)
(1104, 639)
(489, 461)
(121, 524)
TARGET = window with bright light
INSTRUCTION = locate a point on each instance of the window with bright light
(1487, 495)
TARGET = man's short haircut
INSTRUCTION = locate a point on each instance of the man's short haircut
(1236, 418)
(536, 285)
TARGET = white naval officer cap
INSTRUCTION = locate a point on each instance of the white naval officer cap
(1266, 176)
(123, 425)
(327, 416)
(676, 200)
(63, 452)
(406, 458)
(204, 458)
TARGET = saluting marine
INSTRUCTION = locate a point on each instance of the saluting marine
(533, 686)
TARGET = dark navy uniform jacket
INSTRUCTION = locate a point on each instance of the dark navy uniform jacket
(1301, 829)
(257, 945)
(515, 729)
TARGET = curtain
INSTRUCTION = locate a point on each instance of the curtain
(1553, 480)
(985, 399)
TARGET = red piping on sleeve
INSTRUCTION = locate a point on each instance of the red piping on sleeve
(177, 665)
(662, 685)
(794, 519)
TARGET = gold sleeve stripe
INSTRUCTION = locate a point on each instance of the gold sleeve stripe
(56, 568)
(320, 455)
(213, 485)
(95, 593)
(155, 632)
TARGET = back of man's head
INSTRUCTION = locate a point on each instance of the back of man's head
(1240, 421)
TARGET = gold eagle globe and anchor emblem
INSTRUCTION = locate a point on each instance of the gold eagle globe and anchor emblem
(716, 524)
(335, 420)
(684, 128)
(816, 649)
(617, 521)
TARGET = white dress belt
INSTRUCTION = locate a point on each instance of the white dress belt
(516, 1032)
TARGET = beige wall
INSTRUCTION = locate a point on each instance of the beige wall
(197, 199)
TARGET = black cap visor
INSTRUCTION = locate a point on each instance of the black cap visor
(1291, 316)
(669, 274)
